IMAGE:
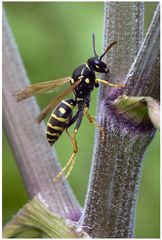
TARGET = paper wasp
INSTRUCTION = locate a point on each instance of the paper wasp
(83, 81)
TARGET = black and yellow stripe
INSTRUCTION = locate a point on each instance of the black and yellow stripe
(59, 120)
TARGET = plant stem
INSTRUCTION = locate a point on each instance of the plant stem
(110, 205)
(144, 76)
(36, 161)
(123, 23)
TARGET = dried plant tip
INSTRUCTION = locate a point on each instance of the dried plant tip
(138, 109)
(154, 111)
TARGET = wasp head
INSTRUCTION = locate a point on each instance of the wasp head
(96, 62)
(97, 65)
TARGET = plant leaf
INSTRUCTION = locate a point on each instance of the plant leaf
(139, 109)
(35, 220)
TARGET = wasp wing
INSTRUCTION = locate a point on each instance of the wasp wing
(55, 102)
(38, 88)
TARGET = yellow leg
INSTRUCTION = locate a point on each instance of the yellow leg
(70, 164)
(68, 133)
(92, 120)
(73, 141)
(62, 172)
(110, 84)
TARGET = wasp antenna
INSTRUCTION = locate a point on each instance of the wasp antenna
(107, 49)
(94, 49)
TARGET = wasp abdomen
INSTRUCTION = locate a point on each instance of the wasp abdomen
(59, 120)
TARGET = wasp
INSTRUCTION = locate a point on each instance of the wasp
(82, 82)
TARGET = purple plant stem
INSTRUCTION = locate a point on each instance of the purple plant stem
(35, 158)
(143, 78)
(110, 205)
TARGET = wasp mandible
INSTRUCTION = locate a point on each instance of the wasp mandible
(82, 81)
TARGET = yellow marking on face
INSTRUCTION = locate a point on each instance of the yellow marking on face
(72, 81)
(54, 127)
(52, 134)
(62, 110)
(87, 80)
(68, 104)
(97, 66)
(59, 118)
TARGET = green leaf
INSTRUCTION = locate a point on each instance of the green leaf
(35, 220)
(139, 109)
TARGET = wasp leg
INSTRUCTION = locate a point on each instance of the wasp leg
(78, 117)
(73, 137)
(71, 162)
(61, 173)
(92, 120)
(74, 118)
(110, 84)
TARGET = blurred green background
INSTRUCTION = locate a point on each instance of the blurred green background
(53, 39)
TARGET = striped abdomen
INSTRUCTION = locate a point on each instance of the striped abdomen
(59, 120)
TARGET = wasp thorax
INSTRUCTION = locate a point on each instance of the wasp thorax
(97, 65)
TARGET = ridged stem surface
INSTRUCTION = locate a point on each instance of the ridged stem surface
(36, 161)
(110, 205)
